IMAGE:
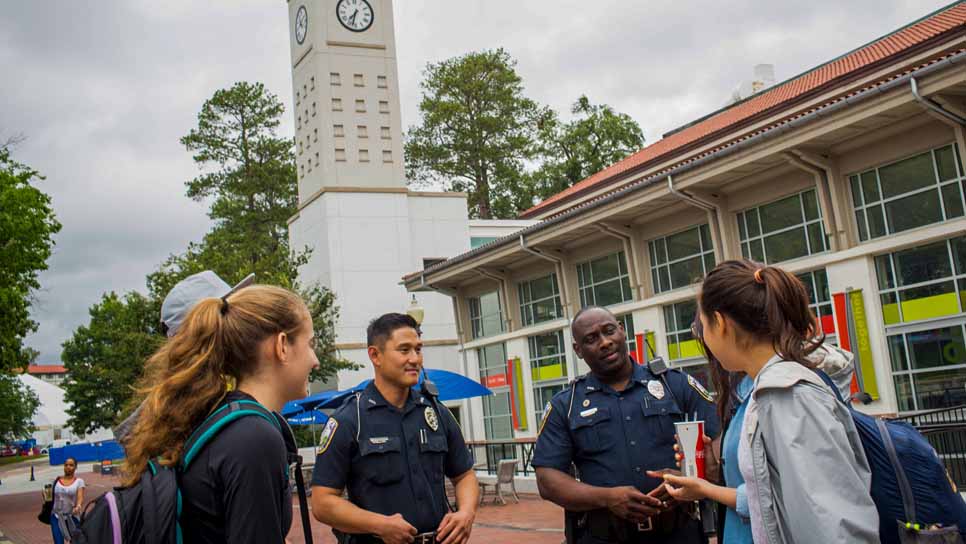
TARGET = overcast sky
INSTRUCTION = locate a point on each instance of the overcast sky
(102, 91)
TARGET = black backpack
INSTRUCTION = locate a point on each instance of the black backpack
(149, 512)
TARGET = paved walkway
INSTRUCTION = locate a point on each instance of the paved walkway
(535, 520)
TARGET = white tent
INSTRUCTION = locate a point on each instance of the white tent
(50, 419)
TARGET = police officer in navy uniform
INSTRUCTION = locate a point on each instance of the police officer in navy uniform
(616, 426)
(392, 447)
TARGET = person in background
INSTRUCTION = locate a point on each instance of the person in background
(68, 502)
(806, 477)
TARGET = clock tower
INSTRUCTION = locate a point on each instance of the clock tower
(365, 228)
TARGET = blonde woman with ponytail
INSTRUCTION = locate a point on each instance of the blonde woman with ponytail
(260, 338)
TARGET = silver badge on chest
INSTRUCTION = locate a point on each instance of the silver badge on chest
(431, 418)
(656, 389)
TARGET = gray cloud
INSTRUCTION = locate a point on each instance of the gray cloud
(104, 90)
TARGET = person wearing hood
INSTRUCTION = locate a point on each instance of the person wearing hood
(802, 472)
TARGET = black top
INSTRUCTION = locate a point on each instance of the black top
(237, 489)
(614, 437)
(398, 462)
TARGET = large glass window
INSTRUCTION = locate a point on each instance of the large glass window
(540, 300)
(542, 395)
(921, 190)
(820, 301)
(782, 230)
(678, 260)
(486, 319)
(604, 281)
(497, 420)
(923, 296)
(683, 348)
(628, 321)
(492, 360)
(548, 357)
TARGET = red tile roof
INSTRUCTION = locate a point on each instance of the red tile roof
(948, 20)
(46, 369)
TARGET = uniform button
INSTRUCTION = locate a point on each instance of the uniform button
(620, 398)
(633, 443)
(637, 469)
(628, 418)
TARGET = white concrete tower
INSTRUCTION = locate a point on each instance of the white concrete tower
(365, 228)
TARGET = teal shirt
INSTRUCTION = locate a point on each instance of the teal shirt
(737, 529)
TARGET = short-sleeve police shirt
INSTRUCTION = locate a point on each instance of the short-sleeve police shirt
(614, 437)
(398, 462)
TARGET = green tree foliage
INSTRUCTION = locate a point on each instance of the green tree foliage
(17, 406)
(27, 227)
(571, 151)
(248, 179)
(105, 358)
(477, 132)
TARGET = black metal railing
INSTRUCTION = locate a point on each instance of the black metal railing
(487, 454)
(945, 429)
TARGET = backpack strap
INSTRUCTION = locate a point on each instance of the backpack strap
(908, 499)
(293, 457)
(217, 421)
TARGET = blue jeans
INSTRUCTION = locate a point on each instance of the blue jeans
(55, 527)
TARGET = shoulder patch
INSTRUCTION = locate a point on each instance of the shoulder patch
(327, 433)
(546, 416)
(696, 385)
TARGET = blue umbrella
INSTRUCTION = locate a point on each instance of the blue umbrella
(452, 386)
(308, 417)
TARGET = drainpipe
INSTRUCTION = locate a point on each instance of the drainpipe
(934, 106)
(501, 281)
(821, 174)
(630, 250)
(558, 268)
(713, 214)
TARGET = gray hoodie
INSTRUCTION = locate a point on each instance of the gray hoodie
(805, 471)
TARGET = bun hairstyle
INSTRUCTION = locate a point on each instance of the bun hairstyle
(189, 374)
(767, 303)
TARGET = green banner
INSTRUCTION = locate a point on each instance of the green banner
(861, 344)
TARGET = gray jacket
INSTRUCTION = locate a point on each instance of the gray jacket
(810, 475)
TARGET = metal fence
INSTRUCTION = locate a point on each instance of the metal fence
(945, 429)
(487, 454)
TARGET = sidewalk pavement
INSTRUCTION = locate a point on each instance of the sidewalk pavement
(535, 520)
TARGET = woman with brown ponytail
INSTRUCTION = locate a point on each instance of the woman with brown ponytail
(260, 338)
(805, 472)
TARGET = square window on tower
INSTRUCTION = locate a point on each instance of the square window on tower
(300, 148)
(316, 158)
(334, 78)
(362, 131)
(298, 122)
(315, 134)
(361, 106)
(312, 82)
(386, 155)
(381, 82)
(301, 169)
(308, 142)
(305, 90)
(383, 106)
(338, 131)
(363, 155)
(340, 154)
(358, 80)
(298, 98)
(384, 133)
(336, 104)
(313, 109)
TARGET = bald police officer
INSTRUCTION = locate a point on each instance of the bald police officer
(392, 446)
(616, 426)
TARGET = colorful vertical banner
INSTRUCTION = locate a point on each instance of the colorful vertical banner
(643, 347)
(518, 403)
(862, 345)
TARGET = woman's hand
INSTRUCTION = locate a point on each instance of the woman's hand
(685, 489)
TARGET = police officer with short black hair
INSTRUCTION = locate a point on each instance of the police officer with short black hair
(616, 426)
(392, 447)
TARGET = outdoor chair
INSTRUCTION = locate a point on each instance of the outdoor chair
(505, 472)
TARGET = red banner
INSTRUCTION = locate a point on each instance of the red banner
(495, 380)
(842, 330)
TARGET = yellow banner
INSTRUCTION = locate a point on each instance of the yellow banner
(861, 344)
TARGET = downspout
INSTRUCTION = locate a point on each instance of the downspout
(631, 253)
(558, 268)
(821, 174)
(934, 106)
(713, 216)
(504, 297)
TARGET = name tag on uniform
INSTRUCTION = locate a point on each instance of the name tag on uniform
(589, 412)
(379, 440)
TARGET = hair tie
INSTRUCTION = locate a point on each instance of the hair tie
(224, 305)
(758, 278)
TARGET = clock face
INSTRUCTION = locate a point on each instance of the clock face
(355, 15)
(301, 24)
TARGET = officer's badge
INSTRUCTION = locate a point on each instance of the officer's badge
(327, 433)
(546, 416)
(696, 385)
(586, 403)
(431, 418)
(656, 389)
